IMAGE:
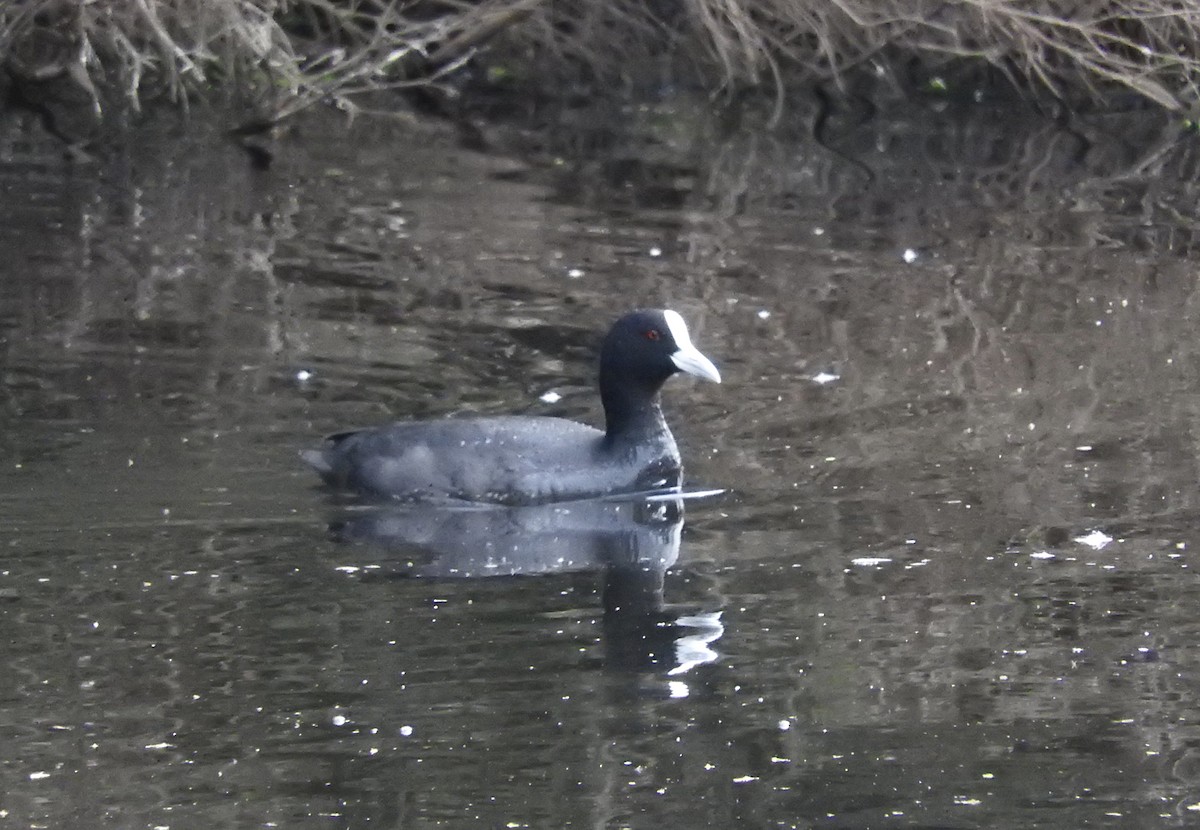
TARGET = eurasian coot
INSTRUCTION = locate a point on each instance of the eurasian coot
(524, 459)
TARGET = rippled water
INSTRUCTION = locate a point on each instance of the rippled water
(950, 584)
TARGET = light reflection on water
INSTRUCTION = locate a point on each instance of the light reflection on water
(901, 613)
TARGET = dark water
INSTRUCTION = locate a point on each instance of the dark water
(952, 582)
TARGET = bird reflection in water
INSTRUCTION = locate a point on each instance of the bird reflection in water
(631, 541)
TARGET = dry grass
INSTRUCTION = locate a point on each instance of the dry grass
(275, 56)
(1148, 46)
(278, 56)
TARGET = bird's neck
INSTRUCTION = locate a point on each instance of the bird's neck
(632, 411)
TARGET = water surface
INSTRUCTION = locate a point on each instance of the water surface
(950, 583)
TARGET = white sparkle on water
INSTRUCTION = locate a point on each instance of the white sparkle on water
(1095, 540)
(868, 561)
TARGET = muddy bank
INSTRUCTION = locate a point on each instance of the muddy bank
(86, 68)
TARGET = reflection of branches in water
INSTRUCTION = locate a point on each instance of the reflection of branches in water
(1018, 289)
(1034, 396)
(726, 187)
(1114, 178)
(146, 300)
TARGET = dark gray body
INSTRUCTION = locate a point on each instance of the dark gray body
(502, 460)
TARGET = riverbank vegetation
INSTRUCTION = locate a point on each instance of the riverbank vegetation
(273, 58)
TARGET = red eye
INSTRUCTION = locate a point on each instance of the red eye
(652, 334)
